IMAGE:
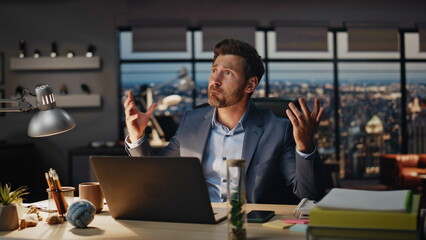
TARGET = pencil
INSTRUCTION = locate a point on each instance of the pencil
(58, 196)
(52, 191)
(59, 187)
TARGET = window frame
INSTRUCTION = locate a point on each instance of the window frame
(337, 53)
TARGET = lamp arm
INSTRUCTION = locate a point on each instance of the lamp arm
(161, 85)
(23, 105)
(154, 121)
(165, 83)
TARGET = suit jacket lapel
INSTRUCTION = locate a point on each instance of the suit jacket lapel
(254, 130)
(204, 128)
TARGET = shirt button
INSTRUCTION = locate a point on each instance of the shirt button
(223, 158)
(224, 180)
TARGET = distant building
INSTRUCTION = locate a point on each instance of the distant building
(417, 127)
(374, 145)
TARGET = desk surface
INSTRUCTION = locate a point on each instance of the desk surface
(105, 227)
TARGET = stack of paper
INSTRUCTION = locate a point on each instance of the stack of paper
(372, 214)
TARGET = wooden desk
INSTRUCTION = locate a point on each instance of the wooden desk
(105, 227)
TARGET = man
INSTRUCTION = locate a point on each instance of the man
(281, 160)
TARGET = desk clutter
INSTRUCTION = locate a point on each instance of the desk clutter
(9, 204)
(361, 214)
(60, 206)
(57, 194)
(341, 214)
(81, 213)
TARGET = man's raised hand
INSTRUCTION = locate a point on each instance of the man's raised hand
(305, 124)
(136, 121)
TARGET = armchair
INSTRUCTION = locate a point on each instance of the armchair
(401, 170)
(277, 105)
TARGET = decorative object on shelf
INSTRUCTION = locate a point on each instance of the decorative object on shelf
(37, 53)
(1, 104)
(70, 54)
(63, 90)
(78, 100)
(81, 213)
(54, 50)
(22, 49)
(85, 88)
(50, 120)
(9, 200)
(90, 51)
(52, 61)
(57, 63)
(236, 198)
(1, 69)
(19, 91)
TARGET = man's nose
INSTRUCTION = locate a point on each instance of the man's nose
(215, 80)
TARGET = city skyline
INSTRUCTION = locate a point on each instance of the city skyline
(361, 99)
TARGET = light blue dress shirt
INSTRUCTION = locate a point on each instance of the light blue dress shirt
(222, 144)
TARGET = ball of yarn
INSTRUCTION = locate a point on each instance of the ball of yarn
(81, 213)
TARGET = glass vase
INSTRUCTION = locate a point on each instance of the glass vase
(236, 199)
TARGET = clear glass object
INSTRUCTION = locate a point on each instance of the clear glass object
(59, 201)
(236, 199)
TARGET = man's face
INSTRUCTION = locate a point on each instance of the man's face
(227, 81)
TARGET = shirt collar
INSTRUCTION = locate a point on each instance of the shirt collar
(225, 130)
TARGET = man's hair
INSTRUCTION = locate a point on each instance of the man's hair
(253, 62)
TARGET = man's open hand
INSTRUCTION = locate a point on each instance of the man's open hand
(136, 121)
(305, 124)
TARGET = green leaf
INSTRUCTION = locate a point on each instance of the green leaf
(8, 197)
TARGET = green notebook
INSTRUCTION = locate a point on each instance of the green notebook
(318, 233)
(392, 220)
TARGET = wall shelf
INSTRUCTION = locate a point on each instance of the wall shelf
(57, 63)
(78, 100)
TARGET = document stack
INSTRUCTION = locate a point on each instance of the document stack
(361, 214)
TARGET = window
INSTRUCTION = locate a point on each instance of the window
(310, 80)
(369, 112)
(416, 107)
(366, 85)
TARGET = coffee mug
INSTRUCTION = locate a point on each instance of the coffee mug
(91, 191)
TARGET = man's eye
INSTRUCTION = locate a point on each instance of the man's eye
(228, 73)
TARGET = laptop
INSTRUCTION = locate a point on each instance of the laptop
(169, 189)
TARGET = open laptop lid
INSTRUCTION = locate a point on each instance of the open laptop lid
(170, 189)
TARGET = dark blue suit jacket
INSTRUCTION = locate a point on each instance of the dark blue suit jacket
(275, 172)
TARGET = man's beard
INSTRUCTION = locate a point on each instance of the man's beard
(223, 99)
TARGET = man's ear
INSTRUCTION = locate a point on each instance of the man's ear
(251, 84)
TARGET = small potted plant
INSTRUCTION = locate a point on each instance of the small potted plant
(8, 206)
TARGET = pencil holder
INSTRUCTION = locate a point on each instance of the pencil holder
(59, 200)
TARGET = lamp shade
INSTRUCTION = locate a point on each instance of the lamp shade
(50, 120)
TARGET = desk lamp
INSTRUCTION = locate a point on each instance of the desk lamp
(49, 120)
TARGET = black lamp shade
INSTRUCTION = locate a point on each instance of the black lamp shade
(50, 120)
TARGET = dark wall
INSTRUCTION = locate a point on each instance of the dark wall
(73, 25)
(76, 24)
